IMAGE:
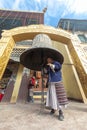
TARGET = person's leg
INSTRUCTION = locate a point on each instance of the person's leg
(53, 99)
(61, 99)
(32, 94)
(61, 116)
(52, 111)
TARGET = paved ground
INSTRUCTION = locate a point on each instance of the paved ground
(31, 116)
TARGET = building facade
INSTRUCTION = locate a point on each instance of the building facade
(8, 20)
(78, 28)
(74, 66)
(73, 25)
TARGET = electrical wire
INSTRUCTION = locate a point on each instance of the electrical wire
(5, 17)
(13, 23)
(28, 23)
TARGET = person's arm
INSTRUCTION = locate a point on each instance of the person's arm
(52, 66)
(57, 66)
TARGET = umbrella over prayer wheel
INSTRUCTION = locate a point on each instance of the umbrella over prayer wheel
(34, 57)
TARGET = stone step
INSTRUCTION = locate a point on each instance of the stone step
(38, 95)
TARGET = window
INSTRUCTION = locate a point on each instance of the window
(31, 21)
(82, 38)
(9, 23)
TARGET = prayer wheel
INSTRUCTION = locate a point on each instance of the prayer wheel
(35, 57)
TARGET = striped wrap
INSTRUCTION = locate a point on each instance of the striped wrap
(61, 94)
(56, 95)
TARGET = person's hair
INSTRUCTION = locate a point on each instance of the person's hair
(50, 57)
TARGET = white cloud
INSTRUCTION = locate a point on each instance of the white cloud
(55, 8)
(38, 1)
(17, 3)
(4, 4)
(76, 6)
(1, 4)
(66, 7)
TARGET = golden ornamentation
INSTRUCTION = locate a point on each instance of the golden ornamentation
(9, 37)
(6, 48)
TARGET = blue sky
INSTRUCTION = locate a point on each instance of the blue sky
(56, 9)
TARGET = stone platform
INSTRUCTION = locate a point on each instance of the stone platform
(34, 116)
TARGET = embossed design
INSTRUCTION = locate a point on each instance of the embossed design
(5, 55)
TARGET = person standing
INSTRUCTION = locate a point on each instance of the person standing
(2, 91)
(56, 95)
(31, 85)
